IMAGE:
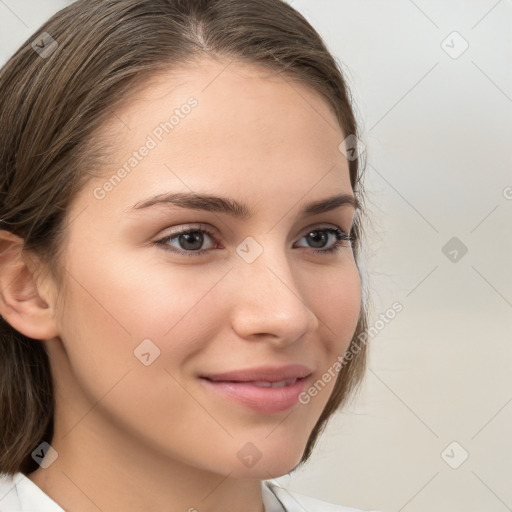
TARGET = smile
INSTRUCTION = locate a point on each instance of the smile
(263, 397)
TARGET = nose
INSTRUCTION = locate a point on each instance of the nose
(269, 303)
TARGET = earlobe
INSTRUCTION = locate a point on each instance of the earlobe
(21, 304)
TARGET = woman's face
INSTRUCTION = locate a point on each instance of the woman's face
(146, 321)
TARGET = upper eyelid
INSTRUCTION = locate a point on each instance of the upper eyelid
(202, 227)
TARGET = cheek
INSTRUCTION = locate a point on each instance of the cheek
(335, 297)
(109, 312)
(337, 301)
(112, 309)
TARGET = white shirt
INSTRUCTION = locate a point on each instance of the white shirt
(20, 494)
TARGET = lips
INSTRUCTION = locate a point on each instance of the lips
(262, 374)
(264, 389)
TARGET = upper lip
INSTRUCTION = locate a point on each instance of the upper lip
(263, 373)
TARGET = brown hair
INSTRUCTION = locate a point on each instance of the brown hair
(51, 108)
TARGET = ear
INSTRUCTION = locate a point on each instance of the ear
(21, 302)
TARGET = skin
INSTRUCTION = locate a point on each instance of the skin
(133, 437)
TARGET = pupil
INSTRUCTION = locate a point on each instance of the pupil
(315, 235)
(189, 238)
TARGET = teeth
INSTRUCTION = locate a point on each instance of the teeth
(279, 384)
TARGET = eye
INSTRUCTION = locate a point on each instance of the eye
(341, 239)
(189, 241)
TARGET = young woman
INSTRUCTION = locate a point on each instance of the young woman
(181, 303)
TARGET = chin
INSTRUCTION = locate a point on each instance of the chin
(275, 460)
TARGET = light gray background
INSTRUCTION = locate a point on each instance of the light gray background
(438, 132)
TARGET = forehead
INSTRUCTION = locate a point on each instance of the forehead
(224, 125)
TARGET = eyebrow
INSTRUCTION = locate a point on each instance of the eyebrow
(212, 203)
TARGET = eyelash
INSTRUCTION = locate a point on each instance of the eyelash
(341, 236)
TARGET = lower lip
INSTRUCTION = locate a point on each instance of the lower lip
(262, 400)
